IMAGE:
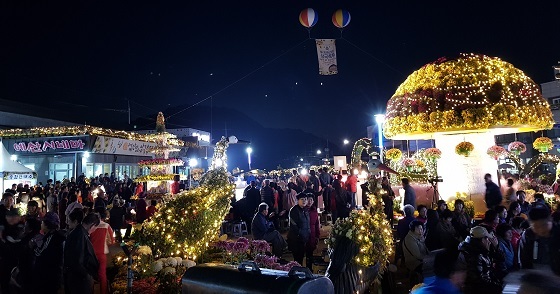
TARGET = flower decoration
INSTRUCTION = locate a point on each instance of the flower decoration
(432, 153)
(466, 93)
(543, 144)
(464, 148)
(408, 162)
(393, 154)
(496, 152)
(420, 164)
(517, 147)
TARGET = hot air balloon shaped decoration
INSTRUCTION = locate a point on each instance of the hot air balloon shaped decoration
(308, 18)
(341, 18)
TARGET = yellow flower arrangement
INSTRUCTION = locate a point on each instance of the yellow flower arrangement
(543, 144)
(464, 148)
(393, 154)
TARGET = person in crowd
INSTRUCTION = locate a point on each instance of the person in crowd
(388, 197)
(491, 220)
(299, 232)
(534, 186)
(504, 234)
(298, 181)
(432, 238)
(151, 210)
(52, 201)
(502, 213)
(325, 178)
(23, 280)
(409, 193)
(315, 181)
(514, 211)
(12, 190)
(263, 229)
(449, 238)
(461, 219)
(556, 213)
(101, 237)
(493, 195)
(517, 225)
(525, 206)
(510, 195)
(538, 282)
(101, 201)
(252, 185)
(253, 198)
(33, 211)
(449, 275)
(352, 187)
(141, 205)
(80, 263)
(73, 202)
(117, 220)
(540, 202)
(62, 205)
(415, 251)
(47, 271)
(290, 196)
(441, 207)
(540, 243)
(314, 229)
(341, 201)
(482, 277)
(267, 195)
(11, 229)
(402, 225)
(422, 213)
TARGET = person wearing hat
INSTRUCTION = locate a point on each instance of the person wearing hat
(48, 256)
(299, 231)
(475, 253)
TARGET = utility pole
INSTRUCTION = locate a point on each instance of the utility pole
(128, 104)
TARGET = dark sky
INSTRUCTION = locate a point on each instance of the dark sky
(160, 53)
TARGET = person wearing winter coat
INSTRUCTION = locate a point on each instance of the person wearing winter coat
(415, 251)
(299, 232)
(314, 229)
(49, 256)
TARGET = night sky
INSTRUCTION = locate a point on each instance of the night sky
(254, 56)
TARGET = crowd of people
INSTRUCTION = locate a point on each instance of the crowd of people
(57, 236)
(476, 257)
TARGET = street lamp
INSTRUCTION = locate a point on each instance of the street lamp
(318, 151)
(249, 151)
(13, 157)
(346, 142)
(380, 119)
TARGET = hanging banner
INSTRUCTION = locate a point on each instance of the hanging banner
(110, 145)
(326, 53)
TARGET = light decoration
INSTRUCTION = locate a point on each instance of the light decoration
(393, 154)
(185, 225)
(517, 147)
(467, 94)
(543, 144)
(161, 161)
(469, 98)
(496, 152)
(464, 148)
(360, 146)
(531, 167)
(368, 228)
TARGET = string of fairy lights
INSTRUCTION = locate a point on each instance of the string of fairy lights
(471, 92)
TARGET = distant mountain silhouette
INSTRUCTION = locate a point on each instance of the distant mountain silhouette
(271, 147)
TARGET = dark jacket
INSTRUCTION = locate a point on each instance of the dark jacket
(547, 252)
(116, 217)
(481, 277)
(493, 195)
(141, 213)
(48, 263)
(409, 195)
(267, 196)
(260, 226)
(299, 225)
(79, 257)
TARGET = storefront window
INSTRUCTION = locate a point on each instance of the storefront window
(96, 169)
(130, 170)
(61, 171)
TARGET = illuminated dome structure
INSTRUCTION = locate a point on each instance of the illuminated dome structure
(467, 99)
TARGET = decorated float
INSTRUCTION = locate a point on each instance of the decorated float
(159, 177)
(462, 103)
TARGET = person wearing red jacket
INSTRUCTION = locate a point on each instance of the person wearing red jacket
(101, 238)
(352, 187)
(315, 231)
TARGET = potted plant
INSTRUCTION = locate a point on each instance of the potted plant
(464, 148)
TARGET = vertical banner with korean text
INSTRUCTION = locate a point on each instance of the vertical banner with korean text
(326, 53)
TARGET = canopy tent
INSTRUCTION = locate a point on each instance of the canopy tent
(12, 172)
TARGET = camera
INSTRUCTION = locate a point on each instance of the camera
(435, 180)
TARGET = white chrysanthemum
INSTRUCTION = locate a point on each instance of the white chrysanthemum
(188, 263)
(168, 270)
(179, 260)
(157, 266)
(171, 262)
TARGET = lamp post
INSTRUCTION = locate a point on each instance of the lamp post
(249, 151)
(380, 119)
(346, 142)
